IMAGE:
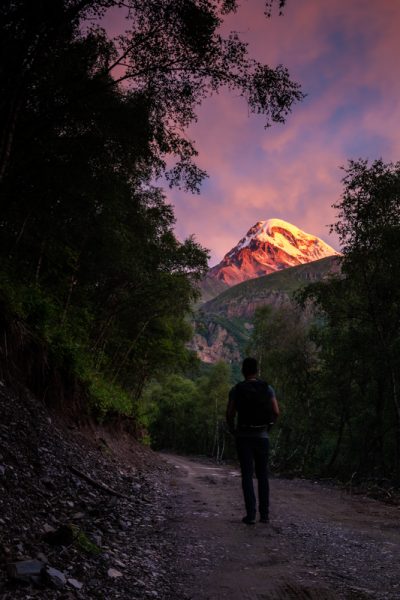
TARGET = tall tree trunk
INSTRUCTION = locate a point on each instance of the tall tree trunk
(72, 284)
(338, 441)
(39, 263)
(8, 136)
(129, 350)
(20, 235)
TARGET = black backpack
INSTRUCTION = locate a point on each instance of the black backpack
(253, 404)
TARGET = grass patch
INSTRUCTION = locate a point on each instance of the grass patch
(83, 543)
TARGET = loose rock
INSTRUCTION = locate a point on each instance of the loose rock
(114, 573)
(25, 570)
(75, 584)
(55, 577)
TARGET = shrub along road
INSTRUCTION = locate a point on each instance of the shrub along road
(322, 543)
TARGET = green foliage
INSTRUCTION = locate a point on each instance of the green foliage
(172, 422)
(365, 311)
(187, 415)
(337, 376)
(108, 398)
(288, 360)
(88, 256)
(65, 344)
(83, 543)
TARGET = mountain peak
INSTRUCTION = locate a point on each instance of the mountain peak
(267, 247)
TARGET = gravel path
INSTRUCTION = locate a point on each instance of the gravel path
(117, 521)
(321, 543)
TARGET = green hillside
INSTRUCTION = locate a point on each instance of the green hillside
(287, 280)
(232, 311)
(210, 288)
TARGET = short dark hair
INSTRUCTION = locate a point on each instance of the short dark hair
(249, 366)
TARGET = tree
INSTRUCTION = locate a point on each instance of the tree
(87, 124)
(187, 414)
(215, 391)
(362, 317)
(83, 230)
(369, 229)
(171, 56)
(171, 413)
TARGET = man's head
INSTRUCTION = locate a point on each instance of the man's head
(249, 367)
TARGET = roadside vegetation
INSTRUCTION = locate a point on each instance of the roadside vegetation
(334, 356)
(187, 414)
(92, 277)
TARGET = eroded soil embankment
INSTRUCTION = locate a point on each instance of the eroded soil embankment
(86, 510)
(321, 543)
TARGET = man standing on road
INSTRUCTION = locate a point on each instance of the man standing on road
(253, 402)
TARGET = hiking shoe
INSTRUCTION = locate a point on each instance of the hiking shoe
(264, 519)
(249, 520)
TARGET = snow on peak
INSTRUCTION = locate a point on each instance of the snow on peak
(286, 237)
(267, 247)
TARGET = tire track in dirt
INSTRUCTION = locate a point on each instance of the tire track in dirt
(321, 544)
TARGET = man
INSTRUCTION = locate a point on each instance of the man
(254, 403)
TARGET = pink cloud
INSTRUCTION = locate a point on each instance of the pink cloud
(344, 54)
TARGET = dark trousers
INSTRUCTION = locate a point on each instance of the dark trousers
(253, 453)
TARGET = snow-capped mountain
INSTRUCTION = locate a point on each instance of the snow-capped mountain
(267, 247)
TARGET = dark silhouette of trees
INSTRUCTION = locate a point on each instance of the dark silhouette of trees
(172, 55)
(342, 399)
(88, 257)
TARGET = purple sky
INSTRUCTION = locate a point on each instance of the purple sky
(345, 55)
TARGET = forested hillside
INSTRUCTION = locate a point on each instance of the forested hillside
(92, 275)
(223, 325)
(95, 288)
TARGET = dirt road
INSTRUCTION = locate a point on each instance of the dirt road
(321, 543)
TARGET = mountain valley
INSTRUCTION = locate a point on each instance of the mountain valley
(266, 267)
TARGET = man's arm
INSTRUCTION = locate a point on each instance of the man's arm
(275, 408)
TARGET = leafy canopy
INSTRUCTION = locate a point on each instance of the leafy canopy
(88, 253)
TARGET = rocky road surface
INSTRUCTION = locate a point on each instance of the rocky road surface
(321, 543)
(92, 514)
(86, 509)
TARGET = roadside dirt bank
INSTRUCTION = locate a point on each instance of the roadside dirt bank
(83, 513)
(321, 543)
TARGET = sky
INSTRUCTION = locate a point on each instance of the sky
(345, 55)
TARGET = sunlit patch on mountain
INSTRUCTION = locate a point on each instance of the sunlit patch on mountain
(267, 247)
